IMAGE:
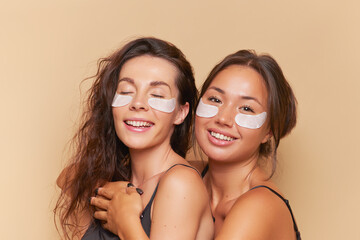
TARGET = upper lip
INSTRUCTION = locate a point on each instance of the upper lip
(221, 132)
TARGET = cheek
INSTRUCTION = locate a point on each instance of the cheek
(165, 122)
(198, 124)
(200, 129)
(164, 118)
(253, 137)
(116, 112)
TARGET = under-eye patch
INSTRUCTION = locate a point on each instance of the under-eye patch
(121, 100)
(250, 121)
(243, 120)
(163, 105)
(206, 110)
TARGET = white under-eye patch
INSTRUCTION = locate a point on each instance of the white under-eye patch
(206, 110)
(163, 105)
(121, 100)
(250, 121)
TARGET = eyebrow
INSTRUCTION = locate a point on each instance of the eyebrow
(242, 97)
(217, 89)
(159, 83)
(129, 80)
(152, 84)
(251, 98)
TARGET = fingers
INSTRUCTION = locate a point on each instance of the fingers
(116, 185)
(110, 188)
(100, 203)
(108, 193)
(101, 215)
(131, 190)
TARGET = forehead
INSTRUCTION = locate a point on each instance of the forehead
(148, 68)
(237, 81)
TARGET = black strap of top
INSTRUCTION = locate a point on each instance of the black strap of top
(298, 237)
(181, 164)
(205, 170)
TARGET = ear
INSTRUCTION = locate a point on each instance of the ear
(181, 114)
(267, 137)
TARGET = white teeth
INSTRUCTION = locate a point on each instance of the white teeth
(221, 136)
(138, 124)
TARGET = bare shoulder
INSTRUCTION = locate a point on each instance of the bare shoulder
(182, 179)
(182, 186)
(260, 200)
(258, 214)
(66, 175)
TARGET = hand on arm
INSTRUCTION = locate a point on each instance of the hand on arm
(120, 210)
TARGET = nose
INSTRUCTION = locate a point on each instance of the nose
(226, 116)
(139, 102)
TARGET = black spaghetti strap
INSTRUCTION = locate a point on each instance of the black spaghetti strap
(153, 195)
(204, 171)
(181, 164)
(298, 237)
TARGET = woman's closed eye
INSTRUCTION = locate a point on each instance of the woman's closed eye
(157, 96)
(125, 92)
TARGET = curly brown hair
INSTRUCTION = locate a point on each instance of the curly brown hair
(100, 155)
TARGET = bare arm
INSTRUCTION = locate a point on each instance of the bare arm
(179, 205)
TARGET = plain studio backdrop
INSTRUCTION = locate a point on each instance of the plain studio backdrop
(48, 47)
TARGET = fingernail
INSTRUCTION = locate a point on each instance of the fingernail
(96, 191)
(139, 191)
(130, 185)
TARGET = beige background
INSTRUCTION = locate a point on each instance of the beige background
(48, 47)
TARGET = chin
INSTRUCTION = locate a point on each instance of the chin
(136, 144)
(220, 156)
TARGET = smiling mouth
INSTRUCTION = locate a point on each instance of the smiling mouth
(221, 136)
(139, 124)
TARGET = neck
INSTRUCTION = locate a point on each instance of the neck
(147, 163)
(227, 181)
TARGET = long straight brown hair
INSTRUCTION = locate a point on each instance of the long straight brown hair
(100, 155)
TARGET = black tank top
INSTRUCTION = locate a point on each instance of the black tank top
(298, 237)
(97, 232)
